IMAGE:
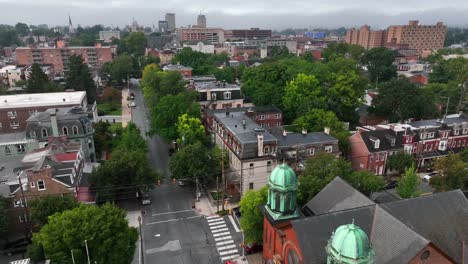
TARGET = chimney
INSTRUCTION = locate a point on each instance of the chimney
(224, 83)
(53, 123)
(243, 122)
(326, 130)
(304, 131)
(260, 145)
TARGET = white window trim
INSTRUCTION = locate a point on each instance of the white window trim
(38, 185)
(33, 185)
(329, 149)
(227, 95)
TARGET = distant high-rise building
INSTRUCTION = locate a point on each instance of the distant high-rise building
(201, 21)
(251, 33)
(171, 24)
(365, 37)
(163, 26)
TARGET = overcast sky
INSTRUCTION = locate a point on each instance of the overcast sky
(229, 14)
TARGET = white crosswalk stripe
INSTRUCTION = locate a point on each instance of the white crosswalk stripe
(223, 239)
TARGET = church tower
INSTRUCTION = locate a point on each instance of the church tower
(282, 194)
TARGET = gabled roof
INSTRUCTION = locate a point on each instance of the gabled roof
(441, 218)
(336, 196)
(384, 136)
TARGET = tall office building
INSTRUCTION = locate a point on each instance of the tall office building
(170, 18)
(201, 21)
(365, 37)
(163, 26)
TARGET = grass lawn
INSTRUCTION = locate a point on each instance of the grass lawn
(105, 108)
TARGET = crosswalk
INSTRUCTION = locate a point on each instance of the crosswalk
(223, 239)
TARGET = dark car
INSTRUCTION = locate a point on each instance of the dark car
(15, 247)
(391, 185)
(236, 211)
(253, 248)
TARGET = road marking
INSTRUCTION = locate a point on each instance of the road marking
(226, 247)
(214, 225)
(157, 235)
(195, 216)
(229, 257)
(219, 230)
(169, 246)
(174, 212)
(223, 238)
(224, 243)
(210, 217)
(160, 222)
(234, 224)
(221, 234)
(215, 220)
(218, 226)
(229, 252)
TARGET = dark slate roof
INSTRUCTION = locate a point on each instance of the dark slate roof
(255, 110)
(65, 180)
(235, 94)
(314, 232)
(435, 123)
(292, 139)
(441, 218)
(384, 136)
(159, 42)
(336, 196)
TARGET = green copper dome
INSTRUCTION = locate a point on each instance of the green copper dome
(283, 178)
(350, 244)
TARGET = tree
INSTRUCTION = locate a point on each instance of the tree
(366, 182)
(380, 64)
(190, 130)
(3, 216)
(133, 44)
(120, 68)
(195, 162)
(201, 63)
(102, 137)
(37, 80)
(157, 84)
(302, 94)
(105, 229)
(251, 221)
(8, 36)
(400, 161)
(165, 114)
(452, 173)
(408, 184)
(40, 209)
(320, 170)
(22, 28)
(78, 77)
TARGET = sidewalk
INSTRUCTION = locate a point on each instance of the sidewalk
(126, 109)
(204, 206)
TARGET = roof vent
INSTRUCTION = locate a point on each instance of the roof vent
(243, 122)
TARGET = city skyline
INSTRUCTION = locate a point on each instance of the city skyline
(298, 14)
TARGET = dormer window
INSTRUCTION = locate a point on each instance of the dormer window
(375, 141)
(456, 132)
(65, 131)
(32, 134)
(465, 130)
(75, 130)
(423, 135)
(430, 135)
(44, 132)
(213, 96)
(227, 95)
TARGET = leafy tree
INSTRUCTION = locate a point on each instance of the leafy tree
(334, 51)
(41, 208)
(102, 137)
(37, 80)
(8, 36)
(201, 63)
(408, 184)
(120, 68)
(320, 170)
(278, 52)
(452, 173)
(400, 161)
(108, 236)
(133, 44)
(165, 114)
(190, 130)
(22, 28)
(157, 84)
(464, 155)
(366, 182)
(302, 94)
(195, 162)
(78, 77)
(441, 93)
(252, 218)
(3, 216)
(380, 64)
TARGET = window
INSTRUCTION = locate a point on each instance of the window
(277, 124)
(262, 125)
(408, 149)
(213, 96)
(32, 134)
(20, 148)
(18, 203)
(12, 113)
(251, 185)
(75, 130)
(41, 185)
(277, 116)
(14, 124)
(266, 150)
(423, 135)
(329, 149)
(0, 124)
(7, 150)
(311, 151)
(442, 145)
(44, 132)
(268, 166)
(65, 131)
(261, 117)
(456, 132)
(33, 185)
(251, 168)
(227, 95)
(465, 130)
(90, 143)
(430, 135)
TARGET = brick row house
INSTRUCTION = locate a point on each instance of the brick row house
(427, 140)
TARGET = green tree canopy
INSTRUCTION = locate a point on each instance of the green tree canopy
(78, 77)
(251, 221)
(37, 80)
(22, 28)
(194, 162)
(400, 161)
(120, 68)
(452, 173)
(201, 63)
(190, 130)
(108, 236)
(380, 64)
(303, 93)
(157, 84)
(133, 44)
(366, 182)
(41, 208)
(3, 216)
(408, 184)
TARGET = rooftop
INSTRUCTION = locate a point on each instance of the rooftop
(42, 99)
(292, 139)
(200, 86)
(177, 67)
(69, 113)
(12, 138)
(452, 120)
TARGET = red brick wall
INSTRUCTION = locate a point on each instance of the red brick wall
(24, 56)
(359, 155)
(435, 256)
(276, 244)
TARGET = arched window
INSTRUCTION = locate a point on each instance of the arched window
(277, 202)
(44, 132)
(213, 96)
(75, 130)
(65, 131)
(266, 150)
(293, 258)
(32, 133)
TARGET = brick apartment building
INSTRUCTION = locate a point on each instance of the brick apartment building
(412, 36)
(427, 140)
(209, 35)
(251, 33)
(58, 56)
(16, 109)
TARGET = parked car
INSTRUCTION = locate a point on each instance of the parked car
(391, 185)
(15, 247)
(183, 182)
(236, 211)
(427, 177)
(132, 104)
(253, 248)
(145, 199)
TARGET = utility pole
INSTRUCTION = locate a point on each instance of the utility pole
(217, 192)
(73, 257)
(25, 209)
(462, 95)
(222, 177)
(446, 108)
(87, 251)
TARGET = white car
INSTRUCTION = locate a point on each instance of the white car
(427, 177)
(132, 104)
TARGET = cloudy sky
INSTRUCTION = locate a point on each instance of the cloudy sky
(275, 14)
